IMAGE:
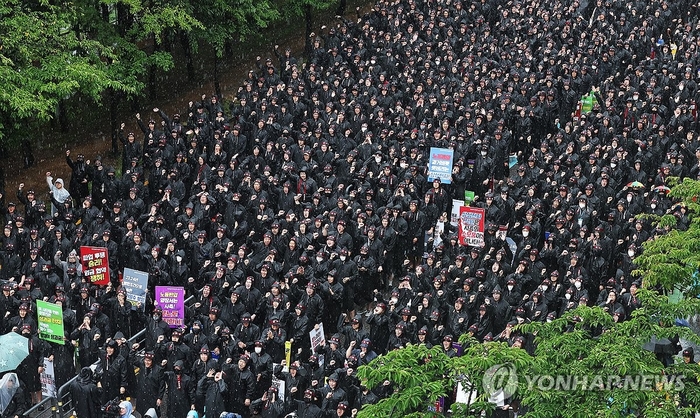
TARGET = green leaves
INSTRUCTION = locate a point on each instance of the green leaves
(671, 261)
(616, 376)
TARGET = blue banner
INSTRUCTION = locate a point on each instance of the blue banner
(135, 283)
(440, 165)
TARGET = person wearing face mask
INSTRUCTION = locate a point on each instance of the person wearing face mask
(346, 273)
(511, 293)
(578, 288)
(180, 271)
(195, 339)
(307, 407)
(261, 366)
(155, 327)
(567, 301)
(483, 169)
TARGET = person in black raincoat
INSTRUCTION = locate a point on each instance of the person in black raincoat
(85, 394)
(180, 390)
(307, 407)
(214, 389)
(113, 381)
(79, 181)
(270, 404)
(379, 321)
(241, 385)
(27, 369)
(150, 382)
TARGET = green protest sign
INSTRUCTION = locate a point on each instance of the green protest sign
(50, 321)
(468, 197)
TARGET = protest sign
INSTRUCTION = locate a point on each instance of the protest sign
(468, 197)
(440, 164)
(281, 387)
(454, 216)
(48, 379)
(172, 300)
(50, 321)
(318, 337)
(471, 226)
(95, 262)
(135, 283)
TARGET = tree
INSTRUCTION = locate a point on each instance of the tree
(670, 260)
(44, 60)
(50, 53)
(586, 343)
(226, 22)
(306, 8)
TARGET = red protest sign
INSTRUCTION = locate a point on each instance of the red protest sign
(95, 263)
(471, 226)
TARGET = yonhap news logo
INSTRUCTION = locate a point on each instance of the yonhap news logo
(501, 380)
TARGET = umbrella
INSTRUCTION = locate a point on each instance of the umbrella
(660, 346)
(13, 349)
(635, 185)
(661, 189)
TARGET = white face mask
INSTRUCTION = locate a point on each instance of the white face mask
(526, 233)
(630, 253)
(510, 288)
(404, 165)
(653, 205)
(567, 296)
(178, 258)
(483, 153)
(258, 350)
(342, 258)
(577, 285)
(319, 259)
(629, 199)
(544, 288)
(394, 300)
(582, 205)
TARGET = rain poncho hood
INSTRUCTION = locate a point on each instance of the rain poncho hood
(126, 405)
(8, 387)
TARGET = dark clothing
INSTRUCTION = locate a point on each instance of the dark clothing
(86, 395)
(180, 393)
(215, 395)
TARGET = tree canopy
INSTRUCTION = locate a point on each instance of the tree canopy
(585, 344)
(50, 52)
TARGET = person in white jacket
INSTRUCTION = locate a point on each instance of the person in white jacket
(58, 190)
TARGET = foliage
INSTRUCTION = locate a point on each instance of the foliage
(51, 52)
(297, 8)
(42, 60)
(585, 342)
(671, 261)
(226, 21)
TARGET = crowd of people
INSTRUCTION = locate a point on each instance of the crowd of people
(305, 200)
